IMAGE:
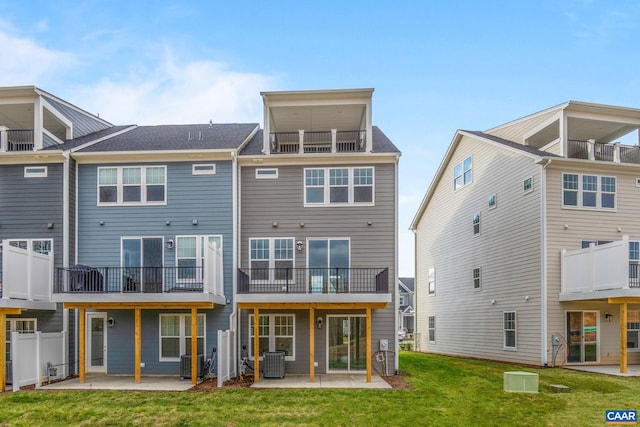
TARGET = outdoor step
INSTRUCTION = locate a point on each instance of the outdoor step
(559, 388)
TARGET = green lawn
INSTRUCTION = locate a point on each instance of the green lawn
(447, 391)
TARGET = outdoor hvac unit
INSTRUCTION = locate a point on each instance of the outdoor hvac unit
(185, 366)
(521, 382)
(273, 364)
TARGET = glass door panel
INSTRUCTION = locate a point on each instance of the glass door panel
(582, 336)
(347, 343)
(358, 344)
(96, 342)
(152, 263)
(590, 336)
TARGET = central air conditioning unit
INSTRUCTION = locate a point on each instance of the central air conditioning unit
(185, 366)
(273, 364)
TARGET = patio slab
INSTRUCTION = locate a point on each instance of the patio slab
(632, 370)
(122, 382)
(323, 381)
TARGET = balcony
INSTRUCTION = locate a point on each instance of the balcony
(19, 140)
(313, 284)
(599, 272)
(592, 150)
(332, 141)
(83, 283)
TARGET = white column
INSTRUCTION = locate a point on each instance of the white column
(301, 141)
(334, 132)
(3, 138)
(591, 149)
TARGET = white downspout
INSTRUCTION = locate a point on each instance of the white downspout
(233, 317)
(65, 245)
(543, 269)
(396, 273)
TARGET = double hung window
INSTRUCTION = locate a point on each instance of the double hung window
(509, 325)
(132, 185)
(276, 333)
(588, 191)
(339, 186)
(190, 254)
(271, 258)
(175, 336)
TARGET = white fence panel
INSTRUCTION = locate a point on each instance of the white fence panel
(214, 270)
(226, 356)
(26, 274)
(30, 354)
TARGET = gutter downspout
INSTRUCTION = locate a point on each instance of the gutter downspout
(396, 273)
(233, 317)
(543, 270)
(65, 247)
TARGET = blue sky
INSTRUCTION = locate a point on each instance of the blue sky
(436, 66)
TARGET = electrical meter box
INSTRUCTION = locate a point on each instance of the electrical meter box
(384, 345)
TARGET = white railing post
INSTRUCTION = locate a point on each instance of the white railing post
(334, 133)
(591, 143)
(625, 242)
(3, 138)
(301, 141)
(563, 272)
(616, 152)
(38, 360)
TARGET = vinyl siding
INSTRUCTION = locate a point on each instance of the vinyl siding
(516, 131)
(207, 198)
(83, 124)
(586, 224)
(264, 201)
(507, 251)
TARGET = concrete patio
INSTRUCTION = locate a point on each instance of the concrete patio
(632, 370)
(323, 381)
(122, 382)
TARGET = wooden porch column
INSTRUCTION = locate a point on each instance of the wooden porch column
(138, 343)
(623, 338)
(368, 344)
(3, 359)
(194, 346)
(256, 345)
(83, 344)
(312, 344)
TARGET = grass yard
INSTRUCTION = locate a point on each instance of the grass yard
(447, 392)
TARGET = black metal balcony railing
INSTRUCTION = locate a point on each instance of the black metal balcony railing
(634, 274)
(313, 280)
(317, 142)
(20, 140)
(85, 279)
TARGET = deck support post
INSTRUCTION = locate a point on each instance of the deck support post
(194, 346)
(623, 338)
(368, 344)
(312, 344)
(256, 344)
(3, 359)
(82, 315)
(138, 344)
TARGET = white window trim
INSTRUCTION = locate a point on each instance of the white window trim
(634, 350)
(527, 190)
(473, 223)
(272, 257)
(272, 336)
(351, 186)
(430, 328)
(182, 337)
(580, 191)
(196, 169)
(473, 284)
(272, 173)
(30, 171)
(120, 186)
(495, 201)
(202, 240)
(461, 164)
(515, 331)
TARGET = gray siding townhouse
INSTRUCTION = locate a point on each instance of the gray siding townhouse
(406, 304)
(154, 247)
(318, 236)
(527, 241)
(36, 226)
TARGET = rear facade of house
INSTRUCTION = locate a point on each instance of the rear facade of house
(544, 268)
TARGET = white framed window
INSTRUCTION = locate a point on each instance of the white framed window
(633, 330)
(432, 281)
(132, 185)
(175, 336)
(588, 191)
(476, 223)
(432, 328)
(267, 173)
(527, 185)
(277, 333)
(20, 325)
(509, 328)
(634, 261)
(477, 279)
(339, 186)
(271, 258)
(190, 253)
(463, 173)
(493, 201)
(203, 169)
(40, 246)
(35, 171)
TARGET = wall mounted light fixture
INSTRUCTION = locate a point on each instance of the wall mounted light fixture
(320, 322)
(170, 244)
(50, 225)
(299, 245)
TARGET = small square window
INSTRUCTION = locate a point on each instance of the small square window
(527, 185)
(35, 172)
(493, 201)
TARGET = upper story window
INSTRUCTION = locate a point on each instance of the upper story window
(125, 185)
(203, 169)
(476, 223)
(476, 278)
(338, 186)
(588, 191)
(462, 173)
(527, 185)
(493, 201)
(35, 172)
(190, 255)
(432, 281)
(269, 173)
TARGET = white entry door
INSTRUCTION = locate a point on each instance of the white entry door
(96, 352)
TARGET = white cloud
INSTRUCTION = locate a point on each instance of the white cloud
(177, 92)
(24, 62)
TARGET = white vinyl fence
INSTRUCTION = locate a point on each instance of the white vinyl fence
(226, 356)
(30, 354)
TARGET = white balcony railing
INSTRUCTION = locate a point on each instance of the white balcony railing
(26, 273)
(599, 268)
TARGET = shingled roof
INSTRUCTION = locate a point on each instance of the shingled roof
(512, 144)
